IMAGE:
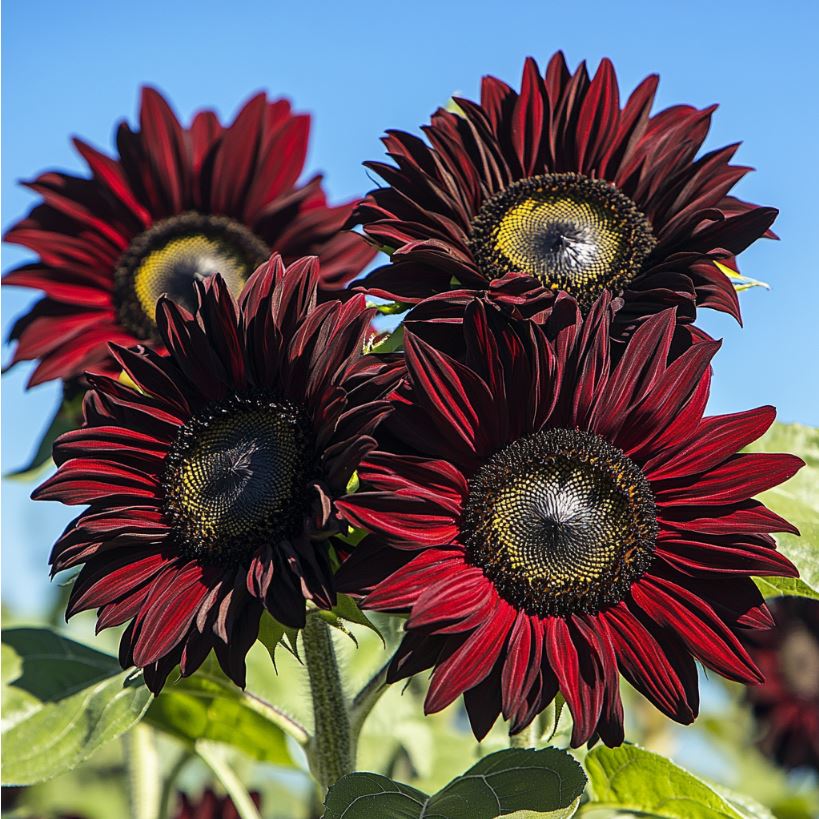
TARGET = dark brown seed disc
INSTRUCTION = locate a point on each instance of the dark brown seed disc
(236, 476)
(561, 521)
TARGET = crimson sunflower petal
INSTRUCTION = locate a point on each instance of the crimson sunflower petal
(604, 528)
(176, 204)
(214, 486)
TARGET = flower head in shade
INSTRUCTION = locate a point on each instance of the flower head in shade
(173, 207)
(786, 705)
(560, 184)
(212, 487)
(211, 806)
(548, 520)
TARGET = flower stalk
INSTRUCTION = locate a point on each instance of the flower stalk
(143, 772)
(330, 751)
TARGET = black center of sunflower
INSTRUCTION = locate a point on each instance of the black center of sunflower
(561, 522)
(568, 231)
(799, 663)
(235, 478)
(171, 255)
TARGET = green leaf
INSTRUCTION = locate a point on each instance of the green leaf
(353, 483)
(346, 610)
(391, 343)
(353, 536)
(207, 705)
(785, 587)
(391, 308)
(747, 807)
(364, 795)
(550, 726)
(739, 281)
(547, 782)
(61, 701)
(67, 417)
(795, 500)
(632, 779)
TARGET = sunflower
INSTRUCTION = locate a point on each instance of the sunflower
(786, 706)
(559, 184)
(212, 487)
(547, 520)
(176, 205)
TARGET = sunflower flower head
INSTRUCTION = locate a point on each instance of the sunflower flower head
(565, 187)
(549, 519)
(212, 484)
(174, 206)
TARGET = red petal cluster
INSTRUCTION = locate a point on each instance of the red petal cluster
(563, 122)
(277, 340)
(488, 362)
(693, 602)
(247, 170)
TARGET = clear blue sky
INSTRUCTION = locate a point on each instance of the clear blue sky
(75, 68)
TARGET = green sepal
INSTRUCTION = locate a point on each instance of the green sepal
(346, 609)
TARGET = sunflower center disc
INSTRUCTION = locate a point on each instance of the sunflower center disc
(234, 479)
(568, 231)
(799, 662)
(561, 522)
(172, 254)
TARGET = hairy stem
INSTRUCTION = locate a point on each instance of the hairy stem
(527, 738)
(143, 772)
(330, 751)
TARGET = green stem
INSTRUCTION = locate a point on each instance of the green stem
(290, 726)
(330, 751)
(169, 785)
(527, 738)
(365, 700)
(143, 772)
(211, 755)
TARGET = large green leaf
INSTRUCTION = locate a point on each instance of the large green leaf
(546, 782)
(631, 779)
(796, 501)
(361, 795)
(207, 705)
(61, 701)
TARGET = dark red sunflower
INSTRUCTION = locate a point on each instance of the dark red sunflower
(212, 487)
(786, 705)
(211, 806)
(560, 184)
(547, 519)
(176, 205)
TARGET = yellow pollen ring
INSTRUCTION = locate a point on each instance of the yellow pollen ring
(150, 278)
(516, 234)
